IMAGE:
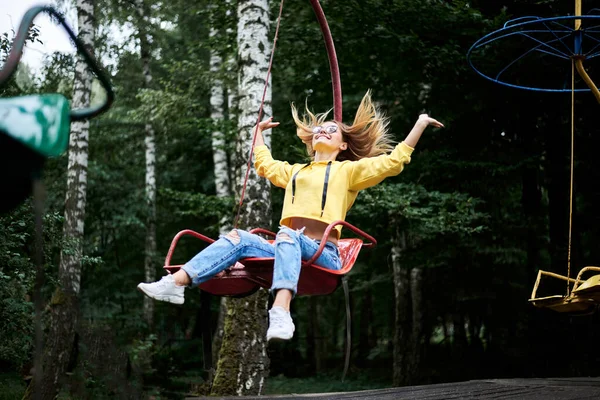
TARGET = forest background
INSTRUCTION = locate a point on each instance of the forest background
(462, 232)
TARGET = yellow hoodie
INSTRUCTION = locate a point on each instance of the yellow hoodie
(325, 190)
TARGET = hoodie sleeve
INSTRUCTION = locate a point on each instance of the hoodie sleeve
(370, 171)
(278, 172)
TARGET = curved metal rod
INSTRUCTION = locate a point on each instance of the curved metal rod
(512, 22)
(332, 225)
(586, 78)
(526, 34)
(256, 231)
(16, 52)
(333, 63)
(176, 239)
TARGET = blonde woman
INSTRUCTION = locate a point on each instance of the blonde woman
(345, 160)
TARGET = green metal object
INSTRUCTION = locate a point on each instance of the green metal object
(40, 122)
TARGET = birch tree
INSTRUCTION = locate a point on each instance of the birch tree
(243, 362)
(222, 161)
(150, 145)
(64, 306)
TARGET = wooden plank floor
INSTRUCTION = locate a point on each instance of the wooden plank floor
(517, 389)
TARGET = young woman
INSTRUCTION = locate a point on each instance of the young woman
(345, 160)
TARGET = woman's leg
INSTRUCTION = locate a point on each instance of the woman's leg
(291, 247)
(225, 252)
(220, 255)
(286, 270)
(286, 267)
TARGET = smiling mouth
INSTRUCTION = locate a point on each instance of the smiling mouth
(323, 135)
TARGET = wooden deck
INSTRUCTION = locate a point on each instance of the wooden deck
(517, 389)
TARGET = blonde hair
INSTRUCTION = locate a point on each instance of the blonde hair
(366, 137)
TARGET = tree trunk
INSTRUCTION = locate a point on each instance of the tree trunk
(61, 347)
(219, 332)
(459, 333)
(243, 362)
(222, 160)
(217, 112)
(314, 348)
(365, 327)
(416, 292)
(402, 318)
(150, 144)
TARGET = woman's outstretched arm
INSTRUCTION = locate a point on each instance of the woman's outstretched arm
(278, 172)
(369, 171)
(415, 133)
(262, 126)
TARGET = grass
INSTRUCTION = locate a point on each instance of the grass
(11, 386)
(323, 383)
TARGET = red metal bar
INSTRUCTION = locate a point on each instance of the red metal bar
(176, 239)
(333, 62)
(354, 229)
(263, 231)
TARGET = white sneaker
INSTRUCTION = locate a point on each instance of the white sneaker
(164, 290)
(281, 326)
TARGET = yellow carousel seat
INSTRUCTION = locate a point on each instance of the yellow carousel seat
(590, 288)
(582, 298)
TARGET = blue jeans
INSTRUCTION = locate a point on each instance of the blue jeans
(287, 251)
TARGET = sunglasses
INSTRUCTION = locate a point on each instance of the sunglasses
(329, 129)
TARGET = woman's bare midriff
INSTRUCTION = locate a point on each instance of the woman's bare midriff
(313, 229)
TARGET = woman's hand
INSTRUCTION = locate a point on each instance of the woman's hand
(427, 120)
(267, 124)
(422, 123)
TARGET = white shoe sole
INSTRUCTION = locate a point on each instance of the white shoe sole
(276, 338)
(161, 297)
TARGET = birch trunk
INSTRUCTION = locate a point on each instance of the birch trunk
(61, 348)
(222, 171)
(243, 362)
(150, 144)
(231, 113)
(217, 113)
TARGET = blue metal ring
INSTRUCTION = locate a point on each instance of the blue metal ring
(569, 43)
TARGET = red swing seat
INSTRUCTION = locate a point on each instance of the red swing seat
(250, 274)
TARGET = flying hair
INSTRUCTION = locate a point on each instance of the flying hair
(367, 136)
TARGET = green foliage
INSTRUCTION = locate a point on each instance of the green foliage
(17, 274)
(326, 383)
(11, 386)
(425, 214)
(142, 351)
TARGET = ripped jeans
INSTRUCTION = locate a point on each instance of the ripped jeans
(290, 247)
